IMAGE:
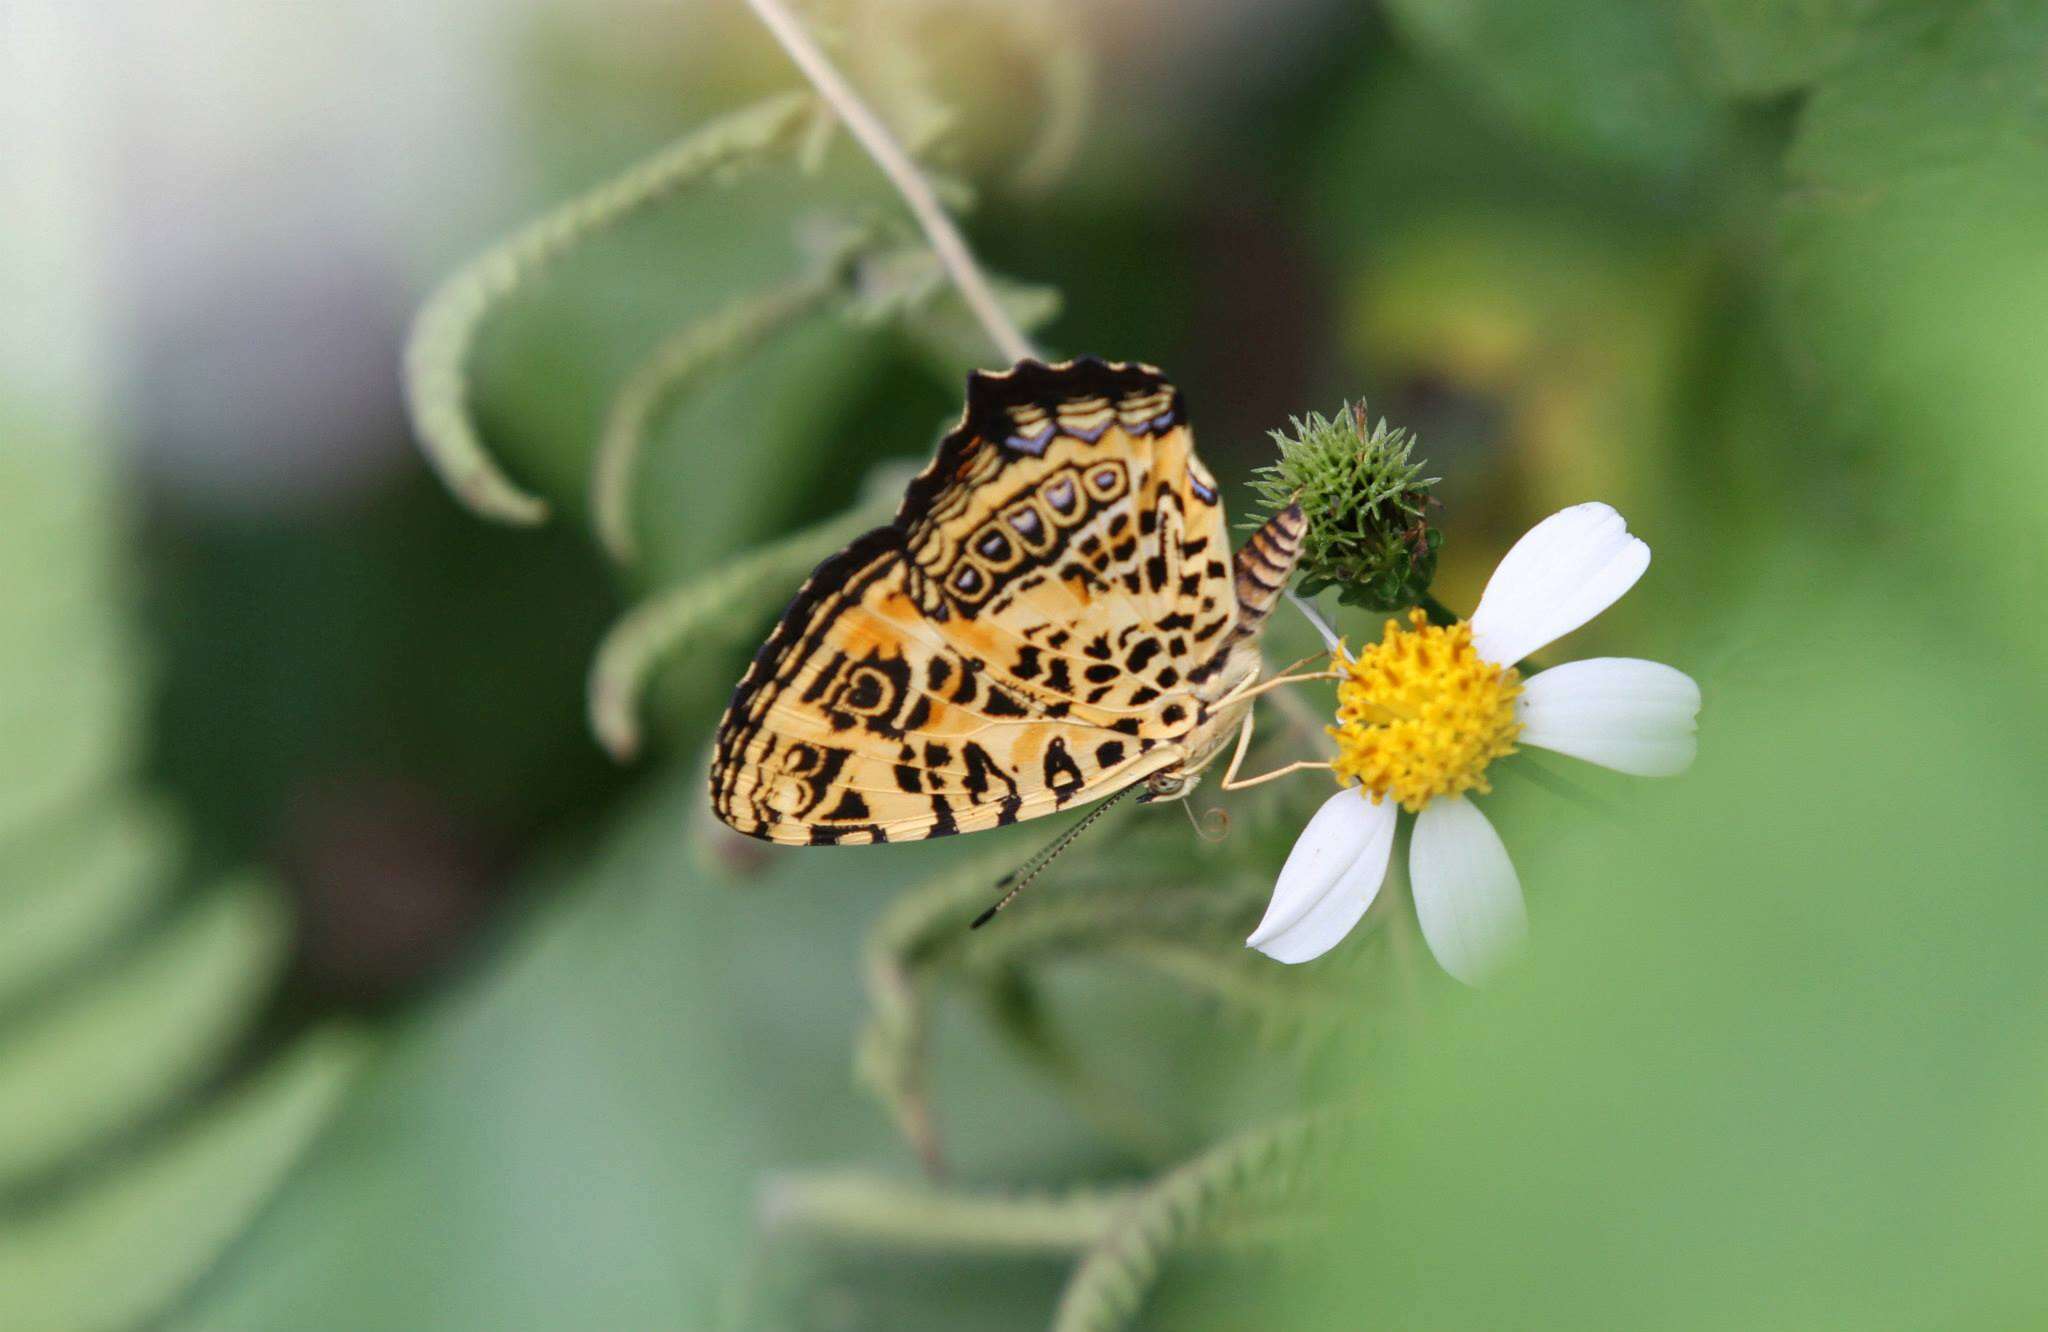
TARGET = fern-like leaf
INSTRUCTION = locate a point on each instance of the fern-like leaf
(666, 374)
(1248, 1173)
(636, 645)
(438, 349)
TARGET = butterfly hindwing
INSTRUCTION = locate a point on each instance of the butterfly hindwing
(1035, 628)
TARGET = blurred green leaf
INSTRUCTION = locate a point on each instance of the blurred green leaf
(1608, 79)
(1755, 48)
(107, 1054)
(1915, 227)
(575, 1136)
(558, 1143)
(106, 1034)
(73, 885)
(116, 1249)
(101, 1052)
(120, 1180)
(68, 697)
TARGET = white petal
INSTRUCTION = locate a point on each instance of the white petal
(1621, 712)
(1564, 571)
(1466, 894)
(1330, 878)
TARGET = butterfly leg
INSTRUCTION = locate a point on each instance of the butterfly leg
(1251, 690)
(1297, 665)
(1299, 765)
(1244, 739)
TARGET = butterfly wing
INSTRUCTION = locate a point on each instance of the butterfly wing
(1035, 628)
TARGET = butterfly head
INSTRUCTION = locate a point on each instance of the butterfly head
(1170, 784)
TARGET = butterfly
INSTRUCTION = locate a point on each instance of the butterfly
(1053, 616)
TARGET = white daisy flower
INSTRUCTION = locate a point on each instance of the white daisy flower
(1423, 712)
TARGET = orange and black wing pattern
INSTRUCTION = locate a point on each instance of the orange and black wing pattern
(1032, 630)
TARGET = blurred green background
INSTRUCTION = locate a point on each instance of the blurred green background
(346, 983)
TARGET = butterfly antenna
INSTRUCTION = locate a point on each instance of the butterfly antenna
(1020, 878)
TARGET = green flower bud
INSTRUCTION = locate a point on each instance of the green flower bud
(1366, 504)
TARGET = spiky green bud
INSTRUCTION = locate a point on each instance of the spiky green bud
(1366, 503)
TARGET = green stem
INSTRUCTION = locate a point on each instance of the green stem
(1438, 613)
(875, 1209)
(869, 131)
(860, 1208)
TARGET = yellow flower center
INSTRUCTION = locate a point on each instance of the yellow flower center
(1420, 714)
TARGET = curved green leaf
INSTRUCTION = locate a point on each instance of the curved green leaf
(125, 1243)
(68, 887)
(105, 1056)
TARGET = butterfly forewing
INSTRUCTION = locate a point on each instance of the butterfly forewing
(1035, 628)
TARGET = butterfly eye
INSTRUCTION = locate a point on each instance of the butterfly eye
(1166, 785)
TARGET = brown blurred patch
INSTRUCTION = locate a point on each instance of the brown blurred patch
(389, 878)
